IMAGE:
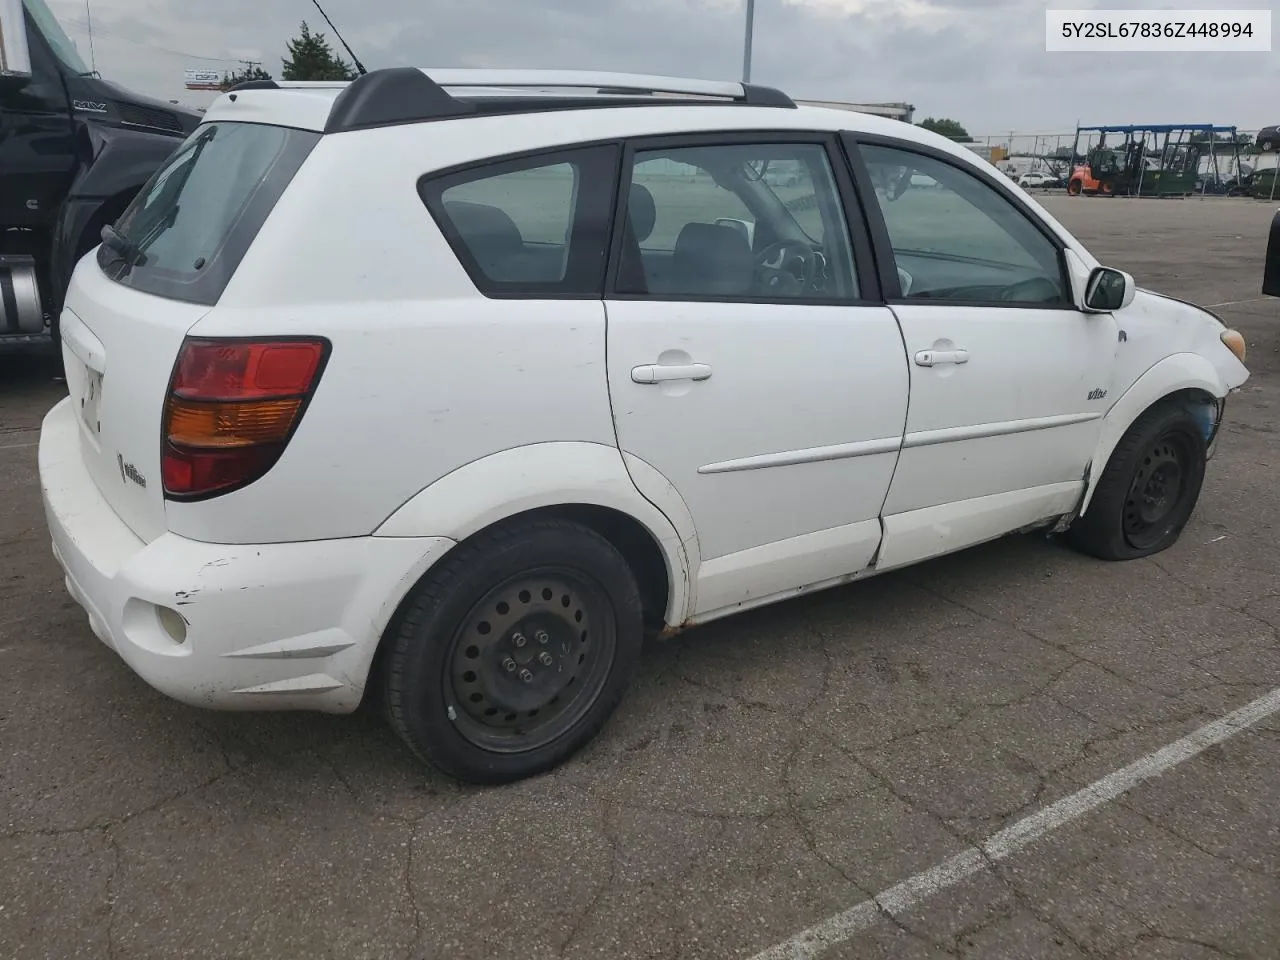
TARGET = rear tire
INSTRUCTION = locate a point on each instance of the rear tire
(1148, 489)
(1267, 146)
(514, 652)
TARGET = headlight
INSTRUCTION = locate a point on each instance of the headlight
(1234, 342)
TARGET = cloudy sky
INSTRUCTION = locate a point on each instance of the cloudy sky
(982, 62)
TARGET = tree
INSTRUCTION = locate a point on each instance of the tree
(947, 128)
(252, 72)
(311, 58)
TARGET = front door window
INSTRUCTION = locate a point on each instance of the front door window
(958, 239)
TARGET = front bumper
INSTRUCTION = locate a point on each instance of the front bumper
(282, 626)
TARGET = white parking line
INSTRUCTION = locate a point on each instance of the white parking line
(19, 446)
(1234, 303)
(844, 926)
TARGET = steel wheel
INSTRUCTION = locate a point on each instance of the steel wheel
(1148, 488)
(511, 653)
(528, 661)
(1156, 491)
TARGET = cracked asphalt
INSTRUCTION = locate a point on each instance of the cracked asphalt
(765, 772)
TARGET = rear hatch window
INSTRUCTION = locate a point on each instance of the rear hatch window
(186, 231)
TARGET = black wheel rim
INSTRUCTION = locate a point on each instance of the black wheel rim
(1156, 493)
(529, 660)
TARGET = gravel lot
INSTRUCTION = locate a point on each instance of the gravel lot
(766, 773)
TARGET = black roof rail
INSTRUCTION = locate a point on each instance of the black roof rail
(390, 96)
(255, 85)
(397, 95)
(757, 96)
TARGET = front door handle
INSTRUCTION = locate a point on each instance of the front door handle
(659, 372)
(932, 358)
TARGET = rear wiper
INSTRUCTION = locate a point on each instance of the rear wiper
(128, 251)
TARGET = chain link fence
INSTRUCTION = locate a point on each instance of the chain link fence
(1018, 153)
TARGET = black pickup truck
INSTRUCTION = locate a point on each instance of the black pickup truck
(74, 150)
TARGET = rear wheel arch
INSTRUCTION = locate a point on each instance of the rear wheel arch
(636, 543)
(522, 481)
(631, 538)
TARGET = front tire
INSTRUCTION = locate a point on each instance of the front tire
(514, 652)
(1148, 489)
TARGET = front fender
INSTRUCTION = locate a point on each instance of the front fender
(1180, 371)
(541, 475)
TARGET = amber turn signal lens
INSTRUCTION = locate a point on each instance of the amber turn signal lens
(225, 425)
(1234, 342)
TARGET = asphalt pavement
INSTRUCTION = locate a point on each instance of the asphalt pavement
(836, 764)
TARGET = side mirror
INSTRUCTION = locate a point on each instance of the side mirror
(1271, 267)
(1108, 290)
(748, 230)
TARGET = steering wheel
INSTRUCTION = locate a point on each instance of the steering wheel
(1033, 290)
(786, 267)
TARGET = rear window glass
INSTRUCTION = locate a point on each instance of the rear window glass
(186, 231)
(538, 203)
(535, 226)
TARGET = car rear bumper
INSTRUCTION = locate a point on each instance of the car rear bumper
(286, 626)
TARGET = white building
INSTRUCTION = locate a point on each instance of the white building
(894, 111)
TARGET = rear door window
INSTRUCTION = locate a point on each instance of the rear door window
(185, 233)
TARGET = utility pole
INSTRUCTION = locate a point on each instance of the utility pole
(88, 17)
(746, 47)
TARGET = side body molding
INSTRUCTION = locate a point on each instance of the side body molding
(539, 475)
(1179, 371)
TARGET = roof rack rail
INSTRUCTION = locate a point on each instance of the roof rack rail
(288, 85)
(398, 95)
(254, 85)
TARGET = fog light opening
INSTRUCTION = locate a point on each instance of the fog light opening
(173, 624)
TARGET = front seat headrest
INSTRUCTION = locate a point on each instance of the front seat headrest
(489, 232)
(642, 211)
(713, 259)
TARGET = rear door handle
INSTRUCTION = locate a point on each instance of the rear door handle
(932, 358)
(658, 372)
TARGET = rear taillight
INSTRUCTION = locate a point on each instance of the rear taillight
(233, 405)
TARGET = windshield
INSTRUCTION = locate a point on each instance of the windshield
(56, 37)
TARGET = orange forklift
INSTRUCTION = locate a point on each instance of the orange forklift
(1159, 160)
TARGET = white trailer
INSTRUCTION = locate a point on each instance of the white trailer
(894, 111)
